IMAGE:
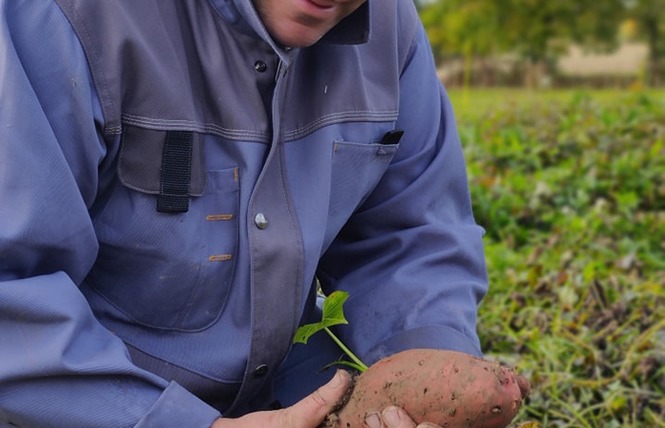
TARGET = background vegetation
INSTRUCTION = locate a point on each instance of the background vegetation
(570, 186)
(536, 32)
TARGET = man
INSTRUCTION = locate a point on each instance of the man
(177, 176)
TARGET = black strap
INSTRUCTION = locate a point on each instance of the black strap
(392, 137)
(176, 173)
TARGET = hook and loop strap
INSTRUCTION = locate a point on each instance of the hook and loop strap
(176, 172)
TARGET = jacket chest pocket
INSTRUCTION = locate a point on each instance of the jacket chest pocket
(356, 170)
(165, 264)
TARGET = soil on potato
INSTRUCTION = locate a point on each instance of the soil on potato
(449, 389)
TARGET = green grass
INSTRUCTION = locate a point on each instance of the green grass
(570, 187)
(471, 104)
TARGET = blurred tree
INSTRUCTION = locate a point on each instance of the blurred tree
(467, 28)
(542, 30)
(650, 18)
(596, 24)
(537, 30)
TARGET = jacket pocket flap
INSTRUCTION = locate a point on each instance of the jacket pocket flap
(140, 160)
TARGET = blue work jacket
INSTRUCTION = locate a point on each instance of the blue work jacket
(174, 185)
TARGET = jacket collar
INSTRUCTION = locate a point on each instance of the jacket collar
(352, 30)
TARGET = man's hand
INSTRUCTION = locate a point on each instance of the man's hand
(394, 417)
(312, 410)
(307, 413)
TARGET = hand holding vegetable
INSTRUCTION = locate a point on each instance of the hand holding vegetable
(448, 388)
(307, 413)
(425, 386)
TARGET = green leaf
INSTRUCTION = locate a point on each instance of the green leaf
(333, 314)
(351, 364)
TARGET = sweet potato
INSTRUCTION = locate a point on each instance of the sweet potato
(448, 388)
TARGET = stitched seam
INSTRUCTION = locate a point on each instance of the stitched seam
(189, 125)
(96, 71)
(348, 116)
(242, 134)
(185, 367)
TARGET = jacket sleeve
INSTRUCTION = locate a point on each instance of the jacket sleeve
(58, 365)
(411, 256)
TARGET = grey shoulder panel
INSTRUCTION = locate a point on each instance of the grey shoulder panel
(178, 65)
(163, 64)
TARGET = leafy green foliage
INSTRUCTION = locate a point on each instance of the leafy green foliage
(535, 29)
(650, 18)
(572, 195)
(539, 31)
(333, 314)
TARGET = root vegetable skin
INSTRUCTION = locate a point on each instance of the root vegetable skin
(448, 388)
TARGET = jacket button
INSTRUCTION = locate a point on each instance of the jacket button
(260, 66)
(260, 221)
(260, 370)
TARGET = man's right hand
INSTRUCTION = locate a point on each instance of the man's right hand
(307, 413)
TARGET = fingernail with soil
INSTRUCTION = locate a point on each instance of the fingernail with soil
(372, 420)
(340, 378)
(391, 416)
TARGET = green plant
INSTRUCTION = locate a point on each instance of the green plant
(333, 314)
(570, 187)
(485, 394)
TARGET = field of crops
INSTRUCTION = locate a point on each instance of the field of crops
(570, 187)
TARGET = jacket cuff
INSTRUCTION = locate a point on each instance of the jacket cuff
(177, 407)
(432, 337)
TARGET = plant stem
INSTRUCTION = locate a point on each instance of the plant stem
(360, 365)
